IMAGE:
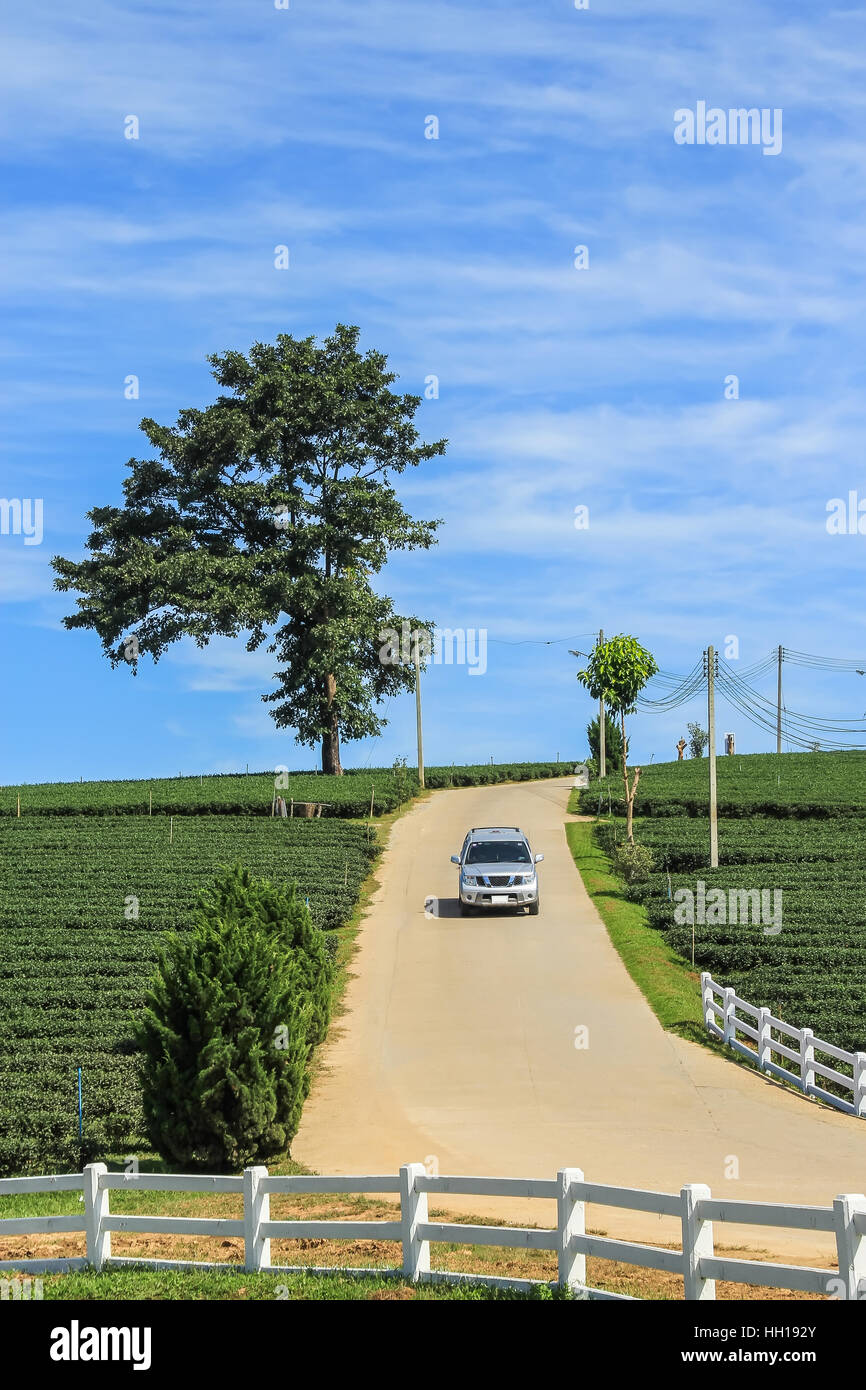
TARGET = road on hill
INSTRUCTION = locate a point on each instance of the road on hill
(457, 1049)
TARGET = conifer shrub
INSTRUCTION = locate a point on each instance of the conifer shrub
(228, 1025)
(281, 910)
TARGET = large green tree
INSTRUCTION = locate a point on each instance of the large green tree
(616, 673)
(266, 514)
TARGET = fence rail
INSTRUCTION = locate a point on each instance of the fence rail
(724, 1021)
(697, 1210)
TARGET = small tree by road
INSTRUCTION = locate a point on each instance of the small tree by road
(616, 673)
(698, 740)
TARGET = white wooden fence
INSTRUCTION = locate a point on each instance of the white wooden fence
(694, 1207)
(724, 1021)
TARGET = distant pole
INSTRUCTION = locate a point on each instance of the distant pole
(171, 830)
(18, 804)
(779, 706)
(602, 765)
(418, 716)
(711, 722)
(150, 802)
(80, 1107)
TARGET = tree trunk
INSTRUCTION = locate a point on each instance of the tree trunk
(629, 834)
(635, 778)
(331, 738)
(629, 790)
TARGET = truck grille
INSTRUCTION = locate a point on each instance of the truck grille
(499, 880)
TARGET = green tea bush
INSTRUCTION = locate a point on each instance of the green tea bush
(634, 863)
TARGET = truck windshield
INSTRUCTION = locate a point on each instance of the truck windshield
(497, 852)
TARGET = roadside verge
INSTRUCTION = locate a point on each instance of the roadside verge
(669, 986)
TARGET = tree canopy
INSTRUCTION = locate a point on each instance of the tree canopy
(266, 514)
(617, 672)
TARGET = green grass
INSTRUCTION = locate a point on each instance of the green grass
(671, 988)
(140, 1283)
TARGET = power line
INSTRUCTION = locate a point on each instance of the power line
(825, 663)
(539, 641)
(678, 694)
(801, 730)
(806, 720)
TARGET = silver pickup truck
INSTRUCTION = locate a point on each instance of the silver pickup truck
(497, 869)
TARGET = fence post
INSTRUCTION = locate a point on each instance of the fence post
(570, 1222)
(257, 1208)
(413, 1212)
(95, 1211)
(729, 1015)
(707, 997)
(697, 1242)
(807, 1060)
(850, 1244)
(764, 1017)
(860, 1083)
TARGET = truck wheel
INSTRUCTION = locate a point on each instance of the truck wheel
(533, 908)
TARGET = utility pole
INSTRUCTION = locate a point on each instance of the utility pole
(418, 714)
(710, 662)
(779, 706)
(602, 766)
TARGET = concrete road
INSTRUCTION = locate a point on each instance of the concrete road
(458, 1049)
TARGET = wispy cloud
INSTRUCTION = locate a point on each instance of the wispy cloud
(557, 386)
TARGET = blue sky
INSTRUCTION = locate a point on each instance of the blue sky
(559, 387)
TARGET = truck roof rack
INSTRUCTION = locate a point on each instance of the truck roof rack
(495, 829)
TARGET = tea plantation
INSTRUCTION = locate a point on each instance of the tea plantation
(249, 794)
(85, 901)
(795, 823)
(252, 793)
(793, 785)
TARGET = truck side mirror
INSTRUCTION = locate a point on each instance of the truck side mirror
(538, 858)
(455, 859)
